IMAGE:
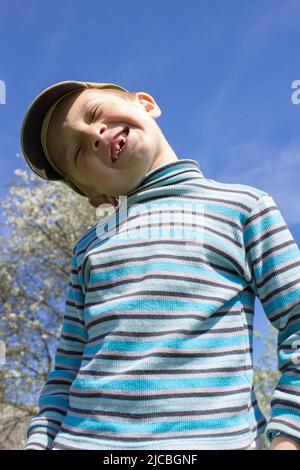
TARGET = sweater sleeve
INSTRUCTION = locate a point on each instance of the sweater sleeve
(272, 261)
(54, 397)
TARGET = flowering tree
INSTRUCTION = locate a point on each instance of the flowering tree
(266, 374)
(43, 221)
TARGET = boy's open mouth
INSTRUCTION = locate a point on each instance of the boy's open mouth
(118, 144)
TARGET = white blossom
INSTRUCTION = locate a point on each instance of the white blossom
(43, 221)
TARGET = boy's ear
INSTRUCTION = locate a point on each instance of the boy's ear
(149, 103)
(99, 199)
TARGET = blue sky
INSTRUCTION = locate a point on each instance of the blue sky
(221, 72)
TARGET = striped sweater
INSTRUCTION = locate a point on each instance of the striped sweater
(156, 343)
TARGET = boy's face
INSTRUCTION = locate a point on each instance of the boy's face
(71, 129)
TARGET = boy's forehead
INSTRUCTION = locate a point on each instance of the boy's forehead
(105, 93)
(78, 99)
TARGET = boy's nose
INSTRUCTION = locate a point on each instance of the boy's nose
(95, 140)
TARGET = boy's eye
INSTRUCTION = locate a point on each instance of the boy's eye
(94, 113)
(92, 119)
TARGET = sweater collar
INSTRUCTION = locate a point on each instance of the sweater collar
(168, 180)
(164, 178)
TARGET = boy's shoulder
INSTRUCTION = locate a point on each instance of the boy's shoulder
(236, 188)
(236, 192)
(84, 240)
(237, 201)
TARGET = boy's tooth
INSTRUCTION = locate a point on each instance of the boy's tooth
(117, 146)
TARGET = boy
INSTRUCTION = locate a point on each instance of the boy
(156, 343)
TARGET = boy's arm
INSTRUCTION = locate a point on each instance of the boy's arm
(54, 398)
(272, 260)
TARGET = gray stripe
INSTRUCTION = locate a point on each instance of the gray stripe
(156, 374)
(117, 315)
(280, 291)
(159, 275)
(277, 270)
(155, 395)
(132, 260)
(162, 295)
(131, 357)
(191, 415)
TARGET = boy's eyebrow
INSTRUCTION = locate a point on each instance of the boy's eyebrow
(64, 154)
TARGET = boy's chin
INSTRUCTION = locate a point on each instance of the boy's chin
(99, 199)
